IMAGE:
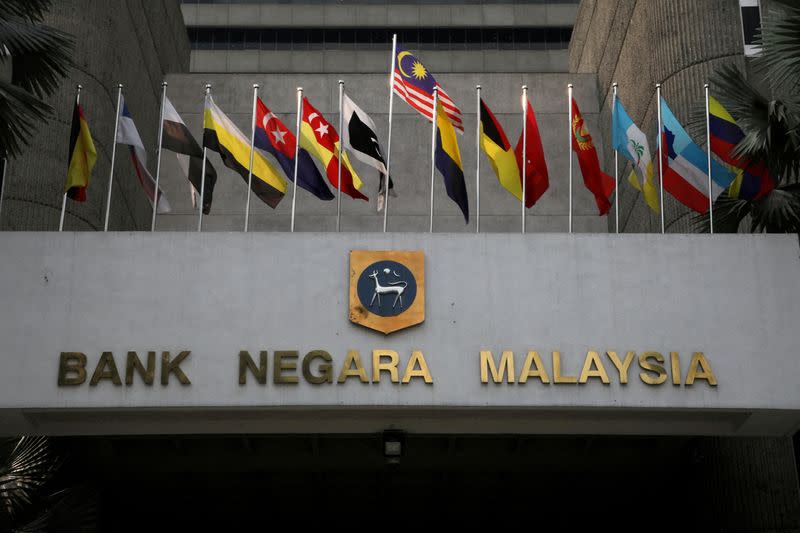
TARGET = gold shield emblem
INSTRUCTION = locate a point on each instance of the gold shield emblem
(387, 289)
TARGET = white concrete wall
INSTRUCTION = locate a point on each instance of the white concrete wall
(735, 298)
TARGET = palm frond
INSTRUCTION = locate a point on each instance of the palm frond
(41, 55)
(20, 113)
(728, 215)
(778, 211)
(780, 40)
(32, 10)
(73, 509)
(29, 466)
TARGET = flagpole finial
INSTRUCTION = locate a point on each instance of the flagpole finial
(524, 87)
(341, 82)
(477, 86)
(658, 85)
(80, 86)
(569, 86)
(705, 86)
(256, 86)
(119, 86)
(614, 84)
(164, 83)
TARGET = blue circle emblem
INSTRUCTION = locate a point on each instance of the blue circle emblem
(386, 288)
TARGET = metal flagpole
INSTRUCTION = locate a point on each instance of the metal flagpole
(524, 148)
(3, 184)
(708, 147)
(478, 158)
(341, 146)
(252, 154)
(433, 146)
(389, 141)
(64, 199)
(205, 156)
(569, 151)
(113, 157)
(297, 151)
(158, 153)
(660, 156)
(616, 163)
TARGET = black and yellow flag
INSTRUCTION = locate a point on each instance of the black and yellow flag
(221, 135)
(82, 157)
(500, 153)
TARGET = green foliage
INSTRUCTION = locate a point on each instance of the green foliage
(40, 57)
(770, 119)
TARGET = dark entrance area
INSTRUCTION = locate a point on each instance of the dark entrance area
(228, 483)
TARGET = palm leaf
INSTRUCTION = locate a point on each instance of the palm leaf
(73, 509)
(20, 112)
(778, 211)
(29, 466)
(780, 40)
(41, 55)
(728, 215)
(32, 10)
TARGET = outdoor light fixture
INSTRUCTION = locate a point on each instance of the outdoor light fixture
(393, 445)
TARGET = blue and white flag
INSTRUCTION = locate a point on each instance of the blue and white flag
(129, 135)
(631, 142)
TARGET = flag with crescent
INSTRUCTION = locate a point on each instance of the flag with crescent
(414, 84)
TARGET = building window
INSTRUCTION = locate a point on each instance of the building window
(751, 25)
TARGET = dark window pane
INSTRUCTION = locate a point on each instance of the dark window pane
(268, 39)
(236, 39)
(252, 39)
(220, 39)
(331, 39)
(751, 22)
(506, 38)
(474, 39)
(300, 39)
(283, 40)
(316, 39)
(205, 39)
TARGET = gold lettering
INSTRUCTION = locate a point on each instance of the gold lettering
(593, 368)
(557, 377)
(539, 371)
(661, 374)
(173, 367)
(71, 363)
(422, 372)
(506, 367)
(284, 360)
(675, 363)
(622, 366)
(390, 366)
(325, 368)
(133, 363)
(699, 360)
(246, 362)
(348, 370)
(100, 371)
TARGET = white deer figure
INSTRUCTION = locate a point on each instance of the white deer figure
(394, 287)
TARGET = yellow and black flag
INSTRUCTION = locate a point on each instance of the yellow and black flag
(82, 157)
(221, 135)
(499, 151)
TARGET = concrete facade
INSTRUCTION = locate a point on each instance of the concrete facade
(638, 44)
(133, 42)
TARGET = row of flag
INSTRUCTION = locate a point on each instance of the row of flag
(682, 164)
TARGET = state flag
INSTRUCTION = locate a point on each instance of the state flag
(128, 134)
(536, 177)
(322, 141)
(177, 138)
(274, 137)
(501, 156)
(448, 161)
(82, 156)
(599, 183)
(631, 142)
(221, 135)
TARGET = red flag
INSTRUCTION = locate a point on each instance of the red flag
(601, 185)
(536, 179)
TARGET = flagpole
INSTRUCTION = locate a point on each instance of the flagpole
(158, 153)
(478, 158)
(708, 148)
(524, 149)
(252, 154)
(616, 163)
(389, 141)
(569, 151)
(113, 157)
(297, 152)
(341, 145)
(64, 199)
(205, 156)
(660, 155)
(3, 185)
(433, 146)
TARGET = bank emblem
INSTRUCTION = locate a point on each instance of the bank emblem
(387, 289)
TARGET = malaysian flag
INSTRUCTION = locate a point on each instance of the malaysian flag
(414, 84)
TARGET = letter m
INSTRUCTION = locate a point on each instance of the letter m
(506, 367)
